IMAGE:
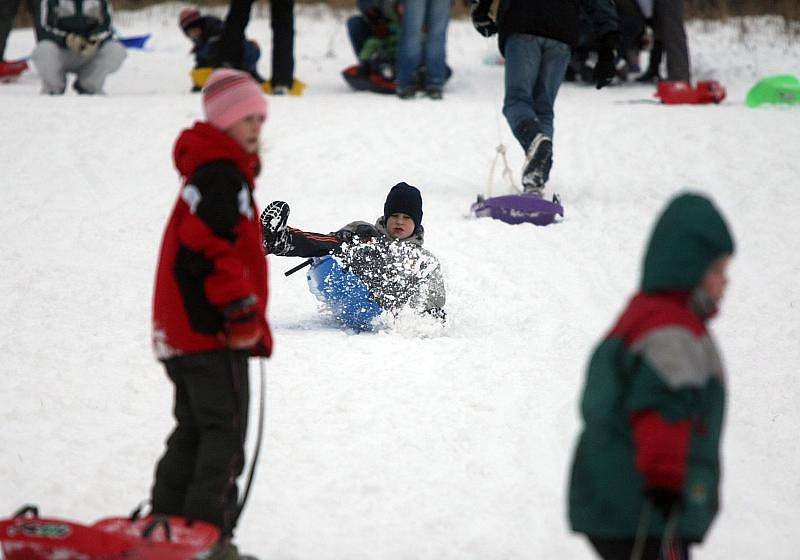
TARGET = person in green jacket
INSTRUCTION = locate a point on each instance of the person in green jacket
(645, 474)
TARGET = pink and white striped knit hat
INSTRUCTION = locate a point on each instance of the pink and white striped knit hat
(231, 95)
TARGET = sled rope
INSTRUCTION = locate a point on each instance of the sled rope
(500, 153)
(259, 435)
(500, 150)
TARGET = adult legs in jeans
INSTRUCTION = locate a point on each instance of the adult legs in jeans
(8, 11)
(437, 18)
(668, 21)
(534, 69)
(409, 51)
(358, 30)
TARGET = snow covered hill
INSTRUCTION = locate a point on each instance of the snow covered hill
(413, 442)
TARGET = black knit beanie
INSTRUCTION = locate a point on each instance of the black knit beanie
(404, 199)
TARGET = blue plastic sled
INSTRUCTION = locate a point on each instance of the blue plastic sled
(344, 293)
(134, 41)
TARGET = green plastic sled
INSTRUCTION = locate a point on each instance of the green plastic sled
(775, 89)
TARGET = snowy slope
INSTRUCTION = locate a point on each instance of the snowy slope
(414, 442)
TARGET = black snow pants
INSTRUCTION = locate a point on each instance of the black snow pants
(196, 476)
(8, 11)
(282, 21)
(620, 549)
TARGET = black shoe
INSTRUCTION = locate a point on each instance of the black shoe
(407, 93)
(434, 93)
(80, 89)
(538, 161)
(273, 227)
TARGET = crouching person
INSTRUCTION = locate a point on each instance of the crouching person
(387, 256)
(645, 475)
(74, 36)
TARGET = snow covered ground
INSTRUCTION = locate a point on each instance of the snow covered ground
(413, 442)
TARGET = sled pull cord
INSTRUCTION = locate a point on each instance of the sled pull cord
(262, 395)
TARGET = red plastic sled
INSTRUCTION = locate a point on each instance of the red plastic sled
(26, 536)
(676, 93)
(11, 69)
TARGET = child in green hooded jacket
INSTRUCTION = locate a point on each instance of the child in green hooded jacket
(645, 474)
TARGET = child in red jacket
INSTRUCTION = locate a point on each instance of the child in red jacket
(209, 306)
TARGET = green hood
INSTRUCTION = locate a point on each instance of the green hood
(688, 237)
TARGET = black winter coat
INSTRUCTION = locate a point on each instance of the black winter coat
(555, 19)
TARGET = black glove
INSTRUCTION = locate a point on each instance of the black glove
(664, 500)
(605, 69)
(481, 20)
(378, 22)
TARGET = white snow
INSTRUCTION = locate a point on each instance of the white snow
(410, 443)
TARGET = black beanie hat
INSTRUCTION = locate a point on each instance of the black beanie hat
(404, 199)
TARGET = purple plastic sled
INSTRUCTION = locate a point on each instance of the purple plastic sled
(518, 209)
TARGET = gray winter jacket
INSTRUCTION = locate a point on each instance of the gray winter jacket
(399, 272)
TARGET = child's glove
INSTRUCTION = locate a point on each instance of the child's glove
(241, 324)
(605, 69)
(664, 500)
(378, 22)
(481, 20)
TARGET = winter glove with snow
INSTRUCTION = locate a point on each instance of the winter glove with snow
(481, 20)
(241, 323)
(664, 500)
(605, 70)
(364, 232)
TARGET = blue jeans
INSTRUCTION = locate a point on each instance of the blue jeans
(535, 67)
(435, 15)
(359, 31)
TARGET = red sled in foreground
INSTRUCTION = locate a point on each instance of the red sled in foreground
(11, 69)
(26, 536)
(677, 93)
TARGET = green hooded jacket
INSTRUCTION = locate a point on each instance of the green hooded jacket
(653, 402)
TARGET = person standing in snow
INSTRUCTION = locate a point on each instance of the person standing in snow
(8, 11)
(536, 38)
(209, 306)
(282, 21)
(645, 473)
(75, 36)
(430, 17)
(400, 223)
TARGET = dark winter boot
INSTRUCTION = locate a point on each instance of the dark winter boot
(538, 161)
(273, 227)
(223, 550)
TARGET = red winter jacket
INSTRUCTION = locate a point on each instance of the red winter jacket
(211, 252)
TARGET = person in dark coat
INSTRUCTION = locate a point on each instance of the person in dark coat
(536, 38)
(646, 470)
(282, 20)
(209, 307)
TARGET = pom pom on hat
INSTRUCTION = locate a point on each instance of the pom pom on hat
(231, 95)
